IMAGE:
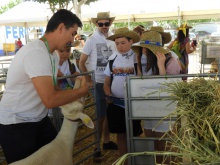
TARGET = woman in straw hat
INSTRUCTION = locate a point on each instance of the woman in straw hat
(166, 38)
(159, 62)
(122, 65)
(185, 47)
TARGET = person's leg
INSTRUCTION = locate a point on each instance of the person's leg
(122, 143)
(116, 121)
(161, 145)
(18, 140)
(46, 132)
(106, 133)
(103, 123)
(99, 123)
(148, 128)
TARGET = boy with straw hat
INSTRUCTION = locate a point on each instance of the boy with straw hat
(159, 62)
(116, 71)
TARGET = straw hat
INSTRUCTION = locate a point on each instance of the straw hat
(166, 35)
(184, 26)
(151, 40)
(102, 16)
(125, 32)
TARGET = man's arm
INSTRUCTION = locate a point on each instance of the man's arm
(82, 66)
(53, 98)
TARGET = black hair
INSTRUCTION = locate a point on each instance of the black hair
(63, 16)
(181, 36)
(152, 61)
(128, 38)
(141, 26)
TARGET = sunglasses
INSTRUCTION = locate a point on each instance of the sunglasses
(101, 24)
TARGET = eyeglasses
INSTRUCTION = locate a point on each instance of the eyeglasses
(101, 24)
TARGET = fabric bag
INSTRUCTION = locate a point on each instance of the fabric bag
(176, 49)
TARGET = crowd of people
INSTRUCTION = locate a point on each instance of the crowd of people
(32, 86)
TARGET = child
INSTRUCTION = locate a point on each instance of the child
(66, 68)
(121, 66)
(159, 62)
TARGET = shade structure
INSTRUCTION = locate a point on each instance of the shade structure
(29, 14)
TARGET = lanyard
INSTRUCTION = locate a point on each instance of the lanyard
(52, 62)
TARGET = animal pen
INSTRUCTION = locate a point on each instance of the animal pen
(57, 121)
(146, 99)
(142, 102)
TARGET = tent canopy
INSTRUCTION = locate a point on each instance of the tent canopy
(26, 14)
(29, 14)
(183, 15)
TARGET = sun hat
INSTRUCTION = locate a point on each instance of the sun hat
(183, 27)
(166, 35)
(151, 40)
(102, 16)
(138, 29)
(124, 32)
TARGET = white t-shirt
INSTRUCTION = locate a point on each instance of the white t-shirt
(65, 69)
(21, 102)
(99, 49)
(122, 66)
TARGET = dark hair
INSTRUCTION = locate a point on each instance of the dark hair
(141, 26)
(138, 29)
(152, 61)
(128, 38)
(181, 36)
(63, 16)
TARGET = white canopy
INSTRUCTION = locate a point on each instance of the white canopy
(29, 14)
(26, 14)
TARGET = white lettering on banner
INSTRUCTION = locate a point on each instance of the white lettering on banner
(18, 32)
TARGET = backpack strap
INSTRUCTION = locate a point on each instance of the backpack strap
(110, 68)
(72, 67)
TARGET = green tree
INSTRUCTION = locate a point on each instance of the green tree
(66, 4)
(10, 5)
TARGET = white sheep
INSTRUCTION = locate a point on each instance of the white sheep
(59, 151)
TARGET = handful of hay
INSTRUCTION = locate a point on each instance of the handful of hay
(196, 132)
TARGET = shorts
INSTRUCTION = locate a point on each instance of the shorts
(158, 125)
(117, 123)
(100, 100)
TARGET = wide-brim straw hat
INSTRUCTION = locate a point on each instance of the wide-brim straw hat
(124, 32)
(102, 16)
(184, 26)
(151, 40)
(166, 35)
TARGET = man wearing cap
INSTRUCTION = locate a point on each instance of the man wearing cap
(92, 58)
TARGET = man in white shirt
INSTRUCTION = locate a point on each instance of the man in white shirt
(31, 89)
(92, 58)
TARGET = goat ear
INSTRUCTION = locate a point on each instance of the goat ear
(86, 120)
